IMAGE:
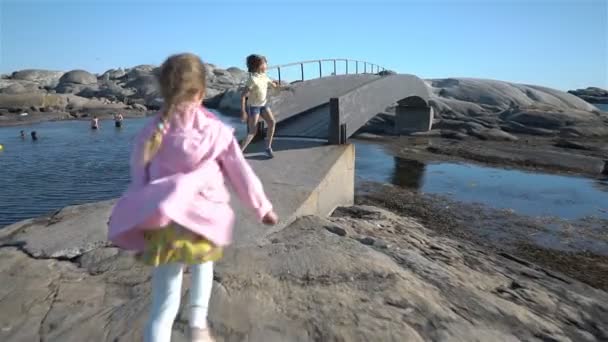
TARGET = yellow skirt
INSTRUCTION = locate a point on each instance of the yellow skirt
(176, 244)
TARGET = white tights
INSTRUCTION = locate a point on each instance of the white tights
(166, 295)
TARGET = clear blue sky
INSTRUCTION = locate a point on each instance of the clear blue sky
(559, 43)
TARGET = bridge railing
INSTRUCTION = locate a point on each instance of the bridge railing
(363, 66)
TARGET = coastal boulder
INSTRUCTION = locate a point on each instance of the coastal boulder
(231, 101)
(78, 77)
(46, 78)
(238, 75)
(113, 74)
(86, 90)
(591, 94)
(19, 87)
(404, 282)
(494, 96)
(550, 119)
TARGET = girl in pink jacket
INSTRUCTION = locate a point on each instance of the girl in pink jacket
(176, 211)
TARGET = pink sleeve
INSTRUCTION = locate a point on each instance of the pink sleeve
(245, 182)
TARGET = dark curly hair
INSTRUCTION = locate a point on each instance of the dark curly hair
(254, 62)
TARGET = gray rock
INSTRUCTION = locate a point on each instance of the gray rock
(515, 127)
(84, 90)
(19, 87)
(68, 233)
(231, 101)
(213, 97)
(141, 71)
(111, 90)
(591, 94)
(500, 95)
(239, 76)
(46, 78)
(576, 145)
(494, 134)
(460, 126)
(305, 286)
(113, 74)
(78, 77)
(146, 86)
(550, 120)
(449, 134)
(139, 107)
(586, 131)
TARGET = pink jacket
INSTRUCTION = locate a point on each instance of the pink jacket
(185, 181)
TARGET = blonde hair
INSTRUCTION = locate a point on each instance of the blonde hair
(182, 77)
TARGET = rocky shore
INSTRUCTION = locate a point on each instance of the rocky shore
(505, 124)
(592, 94)
(54, 95)
(363, 274)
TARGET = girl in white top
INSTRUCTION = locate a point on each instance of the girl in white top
(254, 101)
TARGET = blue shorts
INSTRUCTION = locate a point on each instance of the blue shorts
(256, 110)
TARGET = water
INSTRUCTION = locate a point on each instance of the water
(70, 164)
(602, 106)
(527, 193)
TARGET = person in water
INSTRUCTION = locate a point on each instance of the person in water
(22, 132)
(118, 120)
(254, 102)
(34, 135)
(95, 123)
(176, 212)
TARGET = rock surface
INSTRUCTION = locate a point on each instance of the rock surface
(591, 94)
(364, 274)
(496, 110)
(131, 86)
(78, 77)
(465, 103)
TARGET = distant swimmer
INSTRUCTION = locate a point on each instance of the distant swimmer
(118, 120)
(34, 136)
(22, 134)
(95, 123)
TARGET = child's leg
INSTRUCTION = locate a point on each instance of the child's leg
(200, 293)
(271, 123)
(252, 123)
(166, 295)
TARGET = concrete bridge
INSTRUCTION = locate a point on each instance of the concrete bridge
(314, 176)
(334, 107)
